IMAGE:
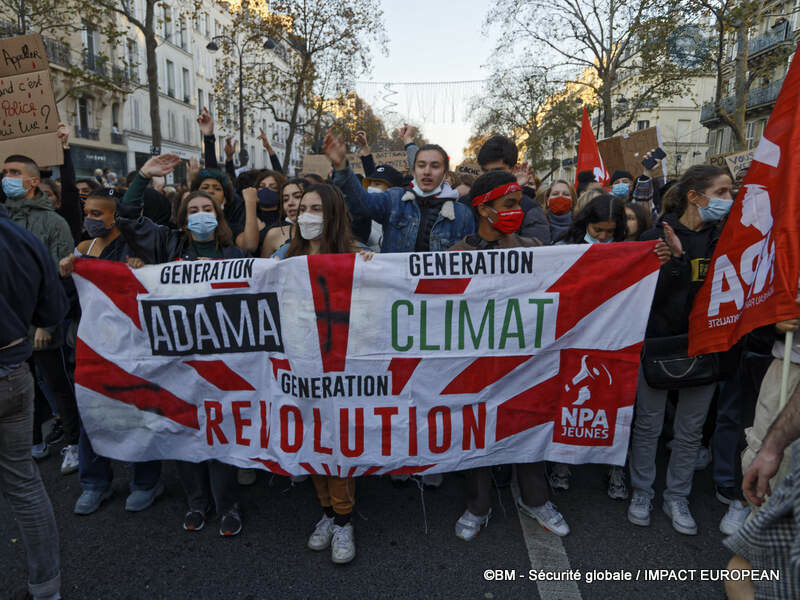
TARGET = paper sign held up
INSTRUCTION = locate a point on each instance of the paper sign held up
(28, 112)
(321, 164)
(627, 151)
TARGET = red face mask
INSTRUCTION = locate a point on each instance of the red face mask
(508, 221)
(560, 205)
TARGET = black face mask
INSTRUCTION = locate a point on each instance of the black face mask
(267, 198)
(96, 227)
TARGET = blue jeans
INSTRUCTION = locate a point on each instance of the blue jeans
(735, 410)
(22, 486)
(94, 472)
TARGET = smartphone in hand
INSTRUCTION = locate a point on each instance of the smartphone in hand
(650, 163)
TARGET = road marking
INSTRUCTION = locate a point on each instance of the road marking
(546, 553)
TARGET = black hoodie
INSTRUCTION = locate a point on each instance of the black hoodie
(681, 278)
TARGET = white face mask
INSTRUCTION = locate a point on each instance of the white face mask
(374, 190)
(310, 225)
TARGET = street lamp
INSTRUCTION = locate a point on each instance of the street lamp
(212, 46)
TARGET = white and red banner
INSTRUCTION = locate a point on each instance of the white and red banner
(753, 277)
(330, 364)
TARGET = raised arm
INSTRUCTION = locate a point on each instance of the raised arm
(206, 123)
(70, 198)
(360, 202)
(273, 158)
(248, 239)
(230, 151)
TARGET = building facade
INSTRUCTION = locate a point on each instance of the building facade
(776, 34)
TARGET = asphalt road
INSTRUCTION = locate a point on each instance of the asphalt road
(117, 555)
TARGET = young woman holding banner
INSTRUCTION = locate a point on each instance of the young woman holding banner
(204, 235)
(323, 222)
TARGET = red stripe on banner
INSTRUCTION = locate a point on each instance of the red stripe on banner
(442, 286)
(220, 375)
(104, 377)
(581, 400)
(482, 373)
(351, 472)
(308, 468)
(409, 470)
(117, 281)
(371, 471)
(280, 363)
(605, 270)
(229, 285)
(327, 470)
(401, 370)
(331, 278)
(273, 467)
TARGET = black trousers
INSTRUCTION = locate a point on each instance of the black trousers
(53, 370)
(209, 482)
(533, 487)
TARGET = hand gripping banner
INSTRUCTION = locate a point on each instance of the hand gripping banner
(331, 364)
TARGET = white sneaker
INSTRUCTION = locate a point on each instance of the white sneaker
(468, 525)
(321, 538)
(69, 464)
(246, 476)
(682, 520)
(639, 509)
(735, 517)
(703, 459)
(559, 476)
(548, 517)
(343, 545)
(40, 450)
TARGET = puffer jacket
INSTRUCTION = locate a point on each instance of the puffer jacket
(398, 211)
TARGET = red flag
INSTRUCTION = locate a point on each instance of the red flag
(589, 158)
(753, 277)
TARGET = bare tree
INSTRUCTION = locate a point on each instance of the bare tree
(615, 40)
(321, 45)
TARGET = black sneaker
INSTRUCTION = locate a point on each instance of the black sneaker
(194, 520)
(231, 523)
(728, 495)
(56, 435)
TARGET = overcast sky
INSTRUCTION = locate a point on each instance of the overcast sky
(434, 40)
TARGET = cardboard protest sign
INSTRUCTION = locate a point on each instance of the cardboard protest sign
(469, 167)
(321, 164)
(718, 160)
(626, 151)
(28, 112)
(739, 162)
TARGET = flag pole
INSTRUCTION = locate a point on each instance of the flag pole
(787, 361)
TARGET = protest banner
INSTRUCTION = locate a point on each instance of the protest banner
(718, 160)
(469, 167)
(321, 164)
(738, 162)
(626, 151)
(753, 276)
(408, 363)
(28, 112)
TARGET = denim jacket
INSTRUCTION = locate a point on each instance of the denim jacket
(397, 211)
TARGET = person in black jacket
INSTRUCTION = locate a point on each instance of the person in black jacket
(702, 202)
(30, 294)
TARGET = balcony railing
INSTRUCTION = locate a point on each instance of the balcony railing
(87, 133)
(778, 35)
(57, 52)
(755, 98)
(116, 138)
(95, 63)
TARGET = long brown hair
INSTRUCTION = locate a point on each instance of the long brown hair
(222, 234)
(337, 238)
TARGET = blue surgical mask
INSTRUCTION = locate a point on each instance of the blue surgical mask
(593, 240)
(202, 224)
(620, 190)
(13, 188)
(267, 198)
(717, 209)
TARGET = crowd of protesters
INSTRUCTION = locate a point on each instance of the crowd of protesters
(222, 212)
